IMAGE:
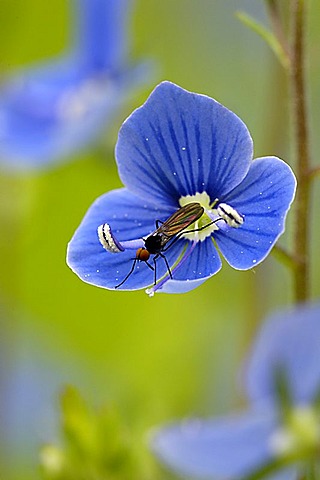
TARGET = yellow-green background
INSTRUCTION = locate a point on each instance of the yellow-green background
(157, 359)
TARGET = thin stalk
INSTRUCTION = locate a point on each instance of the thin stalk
(273, 11)
(314, 172)
(284, 257)
(301, 138)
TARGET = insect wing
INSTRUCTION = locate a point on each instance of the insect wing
(181, 219)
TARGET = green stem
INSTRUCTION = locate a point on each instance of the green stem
(274, 15)
(314, 172)
(299, 112)
(284, 257)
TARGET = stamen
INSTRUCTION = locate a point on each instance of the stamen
(107, 240)
(230, 215)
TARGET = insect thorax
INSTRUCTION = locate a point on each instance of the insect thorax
(153, 243)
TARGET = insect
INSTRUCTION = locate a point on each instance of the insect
(165, 235)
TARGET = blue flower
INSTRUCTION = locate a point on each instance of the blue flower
(181, 148)
(55, 109)
(283, 422)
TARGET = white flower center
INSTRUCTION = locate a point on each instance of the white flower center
(201, 231)
(212, 219)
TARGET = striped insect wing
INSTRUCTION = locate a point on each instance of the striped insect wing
(156, 243)
(181, 219)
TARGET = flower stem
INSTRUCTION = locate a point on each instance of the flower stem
(295, 52)
(285, 257)
(273, 11)
(299, 112)
(314, 172)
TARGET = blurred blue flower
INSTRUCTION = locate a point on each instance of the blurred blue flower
(55, 109)
(282, 426)
(178, 148)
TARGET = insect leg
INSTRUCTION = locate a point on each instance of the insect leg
(149, 264)
(200, 228)
(155, 268)
(158, 223)
(126, 278)
(189, 231)
(166, 262)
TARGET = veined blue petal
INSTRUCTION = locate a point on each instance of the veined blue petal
(289, 341)
(225, 448)
(198, 263)
(129, 218)
(204, 261)
(263, 198)
(180, 146)
(101, 41)
(178, 286)
(180, 143)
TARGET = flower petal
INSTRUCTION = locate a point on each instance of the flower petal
(54, 111)
(177, 286)
(130, 218)
(180, 143)
(263, 198)
(224, 448)
(289, 341)
(199, 262)
(101, 33)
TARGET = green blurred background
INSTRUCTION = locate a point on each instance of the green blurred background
(159, 358)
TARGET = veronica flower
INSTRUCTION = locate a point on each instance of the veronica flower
(179, 149)
(54, 109)
(280, 432)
